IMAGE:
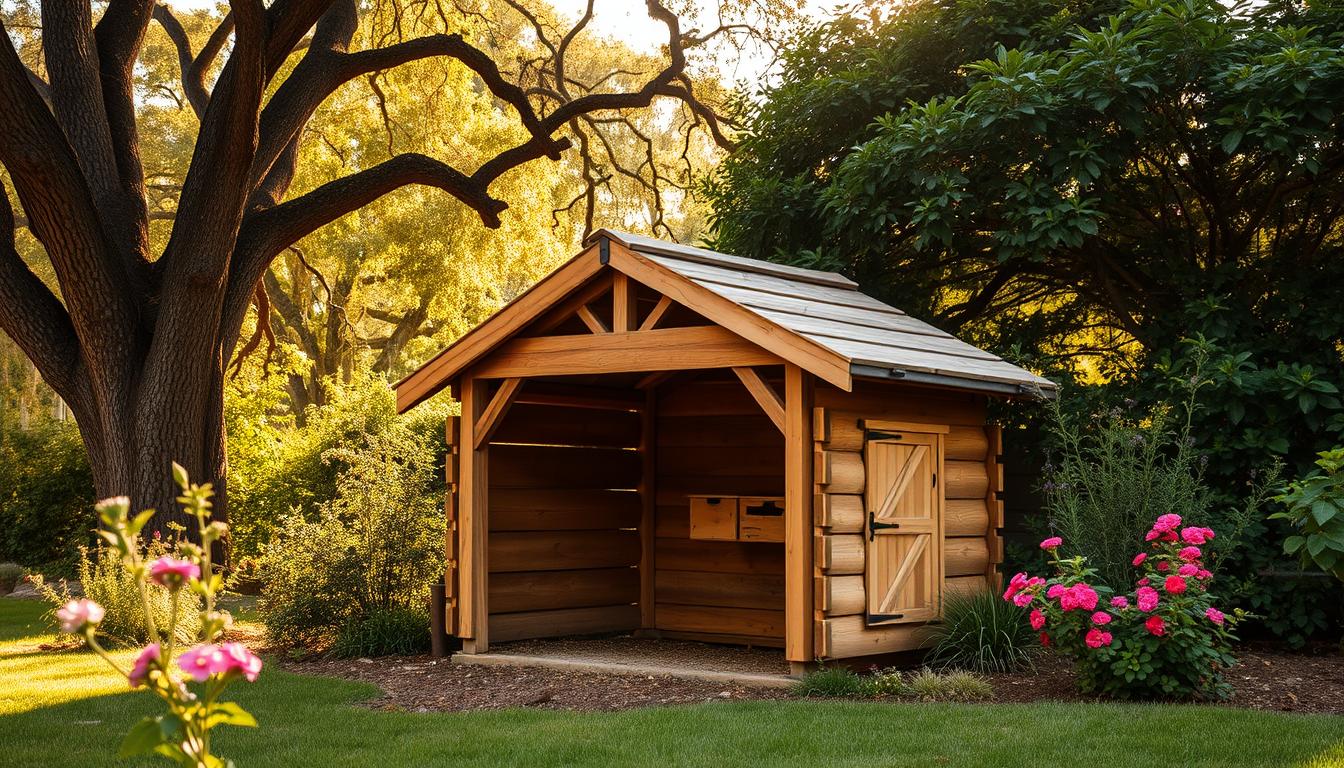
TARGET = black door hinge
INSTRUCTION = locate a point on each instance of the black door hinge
(876, 434)
(874, 526)
(879, 618)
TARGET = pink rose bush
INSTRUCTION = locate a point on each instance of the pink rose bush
(1164, 640)
(182, 733)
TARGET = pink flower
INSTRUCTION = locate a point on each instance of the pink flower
(1119, 601)
(1096, 638)
(1023, 599)
(1037, 619)
(1174, 585)
(1194, 535)
(1189, 554)
(1142, 582)
(77, 614)
(1101, 618)
(1189, 569)
(170, 572)
(1203, 575)
(1167, 523)
(203, 661)
(1055, 591)
(1215, 615)
(1035, 581)
(140, 670)
(1155, 626)
(1149, 536)
(1052, 543)
(1139, 558)
(1169, 536)
(1147, 598)
(1045, 640)
(1163, 566)
(239, 659)
(1078, 596)
(1015, 585)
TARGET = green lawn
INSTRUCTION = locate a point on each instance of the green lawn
(63, 709)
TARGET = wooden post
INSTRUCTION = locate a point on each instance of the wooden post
(798, 549)
(648, 495)
(994, 505)
(472, 524)
(623, 310)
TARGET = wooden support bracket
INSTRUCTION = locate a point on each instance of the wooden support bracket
(493, 415)
(591, 320)
(764, 394)
(660, 309)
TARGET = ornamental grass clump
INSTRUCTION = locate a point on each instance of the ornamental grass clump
(191, 683)
(1163, 640)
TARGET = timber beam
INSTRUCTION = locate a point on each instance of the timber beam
(664, 349)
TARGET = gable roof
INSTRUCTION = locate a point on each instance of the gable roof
(817, 320)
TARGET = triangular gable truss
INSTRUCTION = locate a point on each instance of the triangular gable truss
(735, 338)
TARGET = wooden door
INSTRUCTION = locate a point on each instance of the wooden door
(904, 500)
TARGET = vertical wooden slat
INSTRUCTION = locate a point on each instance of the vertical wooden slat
(472, 527)
(623, 309)
(648, 490)
(798, 549)
(451, 437)
(994, 504)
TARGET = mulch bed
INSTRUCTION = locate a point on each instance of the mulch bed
(1264, 680)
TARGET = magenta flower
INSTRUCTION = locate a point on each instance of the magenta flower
(1055, 591)
(1163, 566)
(1015, 585)
(1167, 523)
(1155, 626)
(77, 614)
(239, 659)
(1215, 615)
(203, 661)
(1079, 596)
(140, 670)
(1045, 640)
(1119, 601)
(1149, 536)
(1052, 543)
(1037, 619)
(1203, 575)
(1189, 569)
(1147, 598)
(1189, 554)
(1096, 638)
(1142, 582)
(1174, 585)
(1101, 618)
(172, 573)
(1139, 558)
(1023, 599)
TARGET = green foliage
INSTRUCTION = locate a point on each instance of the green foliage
(46, 496)
(981, 633)
(1315, 508)
(10, 576)
(375, 547)
(829, 682)
(104, 580)
(956, 685)
(395, 631)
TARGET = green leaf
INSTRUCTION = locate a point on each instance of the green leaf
(1293, 544)
(1231, 141)
(1323, 511)
(229, 713)
(180, 476)
(142, 738)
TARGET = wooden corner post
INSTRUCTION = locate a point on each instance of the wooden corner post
(473, 619)
(798, 554)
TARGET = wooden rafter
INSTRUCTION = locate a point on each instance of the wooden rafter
(665, 349)
(493, 415)
(660, 309)
(654, 379)
(764, 394)
(623, 309)
(591, 320)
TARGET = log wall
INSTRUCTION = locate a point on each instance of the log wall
(972, 511)
(564, 516)
(713, 438)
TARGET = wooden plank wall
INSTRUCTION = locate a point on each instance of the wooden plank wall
(971, 548)
(564, 516)
(712, 438)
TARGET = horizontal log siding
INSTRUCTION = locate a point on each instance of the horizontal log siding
(712, 438)
(840, 513)
(564, 519)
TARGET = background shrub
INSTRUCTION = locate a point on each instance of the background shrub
(396, 631)
(956, 685)
(374, 549)
(829, 682)
(46, 497)
(106, 581)
(10, 576)
(982, 633)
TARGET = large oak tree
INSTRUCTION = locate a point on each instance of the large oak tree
(137, 339)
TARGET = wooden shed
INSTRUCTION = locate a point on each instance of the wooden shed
(663, 439)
